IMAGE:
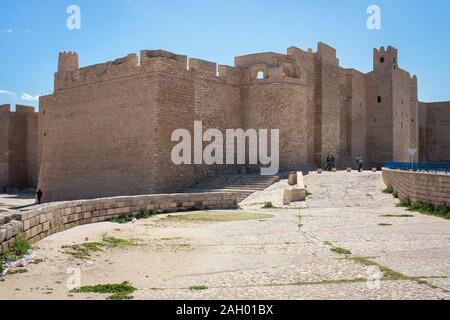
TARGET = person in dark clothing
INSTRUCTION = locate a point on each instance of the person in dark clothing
(39, 194)
(333, 161)
(328, 166)
(359, 162)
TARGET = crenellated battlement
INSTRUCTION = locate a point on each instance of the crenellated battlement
(151, 61)
(19, 109)
(385, 58)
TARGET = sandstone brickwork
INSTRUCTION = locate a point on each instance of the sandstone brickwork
(106, 129)
(419, 186)
(38, 222)
(18, 147)
(434, 131)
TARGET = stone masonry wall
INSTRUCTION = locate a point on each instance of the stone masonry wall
(419, 186)
(18, 147)
(107, 128)
(38, 222)
(435, 131)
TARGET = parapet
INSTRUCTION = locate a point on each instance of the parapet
(203, 67)
(6, 108)
(385, 58)
(151, 61)
(327, 53)
(269, 67)
(68, 61)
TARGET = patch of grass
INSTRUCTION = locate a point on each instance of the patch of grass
(198, 288)
(404, 202)
(129, 217)
(337, 250)
(369, 195)
(18, 249)
(268, 205)
(398, 216)
(308, 193)
(325, 282)
(84, 250)
(385, 224)
(120, 291)
(219, 217)
(426, 208)
(388, 274)
(389, 190)
(340, 250)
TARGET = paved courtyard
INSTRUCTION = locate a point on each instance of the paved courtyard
(334, 246)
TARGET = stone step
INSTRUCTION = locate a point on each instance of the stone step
(243, 185)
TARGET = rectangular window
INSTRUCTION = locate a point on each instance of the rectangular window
(379, 99)
(382, 60)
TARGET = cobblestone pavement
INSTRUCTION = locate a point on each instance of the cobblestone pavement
(288, 256)
(8, 201)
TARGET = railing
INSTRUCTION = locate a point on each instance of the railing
(420, 166)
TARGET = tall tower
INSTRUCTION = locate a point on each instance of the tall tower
(67, 64)
(68, 61)
(392, 109)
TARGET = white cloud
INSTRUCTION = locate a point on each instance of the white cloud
(9, 30)
(29, 97)
(9, 93)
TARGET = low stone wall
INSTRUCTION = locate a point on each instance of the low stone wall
(419, 186)
(40, 221)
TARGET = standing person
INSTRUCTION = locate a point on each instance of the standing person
(328, 166)
(359, 162)
(333, 161)
(39, 194)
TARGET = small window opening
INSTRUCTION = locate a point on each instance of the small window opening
(260, 75)
(382, 60)
(379, 99)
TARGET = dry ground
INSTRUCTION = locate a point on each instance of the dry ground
(281, 253)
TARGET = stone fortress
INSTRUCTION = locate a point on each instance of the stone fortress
(106, 129)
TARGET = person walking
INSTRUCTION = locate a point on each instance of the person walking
(39, 195)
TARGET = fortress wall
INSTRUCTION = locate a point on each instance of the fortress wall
(405, 117)
(346, 84)
(435, 131)
(380, 117)
(119, 131)
(328, 103)
(4, 145)
(198, 95)
(174, 109)
(305, 60)
(218, 106)
(281, 106)
(98, 140)
(358, 118)
(18, 135)
(422, 131)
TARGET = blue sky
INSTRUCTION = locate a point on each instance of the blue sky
(33, 32)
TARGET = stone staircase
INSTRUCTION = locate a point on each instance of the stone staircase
(244, 185)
